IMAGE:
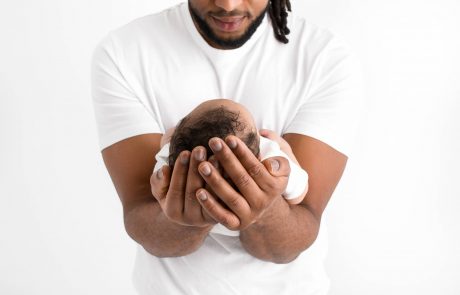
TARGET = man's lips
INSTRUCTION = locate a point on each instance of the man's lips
(228, 24)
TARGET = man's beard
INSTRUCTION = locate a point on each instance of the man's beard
(226, 43)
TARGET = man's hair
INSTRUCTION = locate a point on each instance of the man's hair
(278, 13)
(217, 122)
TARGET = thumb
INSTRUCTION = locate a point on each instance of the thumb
(159, 182)
(277, 166)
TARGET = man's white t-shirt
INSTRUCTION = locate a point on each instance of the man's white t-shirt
(150, 73)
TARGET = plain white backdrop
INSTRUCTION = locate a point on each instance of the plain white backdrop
(393, 220)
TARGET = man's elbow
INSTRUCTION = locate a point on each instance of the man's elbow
(284, 260)
(277, 258)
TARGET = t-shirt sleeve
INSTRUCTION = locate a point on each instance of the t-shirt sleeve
(119, 112)
(332, 106)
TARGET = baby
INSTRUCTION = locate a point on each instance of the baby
(220, 118)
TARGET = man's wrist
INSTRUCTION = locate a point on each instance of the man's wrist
(281, 234)
(279, 210)
(150, 227)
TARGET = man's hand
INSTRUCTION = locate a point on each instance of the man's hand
(259, 183)
(176, 193)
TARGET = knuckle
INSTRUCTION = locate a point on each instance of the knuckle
(189, 196)
(272, 185)
(243, 180)
(175, 191)
(234, 203)
(255, 170)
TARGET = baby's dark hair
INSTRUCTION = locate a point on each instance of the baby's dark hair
(217, 122)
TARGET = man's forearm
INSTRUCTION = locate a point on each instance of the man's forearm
(147, 225)
(282, 233)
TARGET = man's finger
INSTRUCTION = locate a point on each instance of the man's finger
(175, 196)
(242, 177)
(194, 181)
(216, 211)
(223, 190)
(277, 166)
(159, 182)
(251, 163)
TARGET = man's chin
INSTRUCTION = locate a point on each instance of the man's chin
(227, 36)
(226, 40)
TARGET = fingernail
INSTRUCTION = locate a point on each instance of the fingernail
(275, 165)
(184, 158)
(232, 143)
(206, 170)
(202, 195)
(199, 155)
(216, 145)
(160, 173)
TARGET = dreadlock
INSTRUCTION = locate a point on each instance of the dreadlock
(278, 13)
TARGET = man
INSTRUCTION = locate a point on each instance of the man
(148, 74)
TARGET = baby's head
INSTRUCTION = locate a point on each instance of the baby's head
(213, 118)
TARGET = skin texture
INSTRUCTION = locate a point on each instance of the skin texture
(272, 230)
(227, 10)
(130, 164)
(246, 119)
(159, 208)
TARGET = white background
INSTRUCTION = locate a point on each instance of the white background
(393, 221)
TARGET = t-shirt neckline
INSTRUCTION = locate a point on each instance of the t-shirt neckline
(215, 52)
